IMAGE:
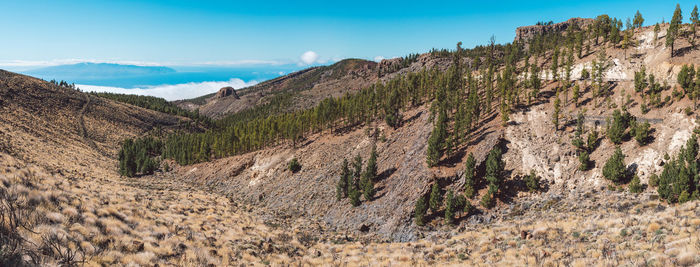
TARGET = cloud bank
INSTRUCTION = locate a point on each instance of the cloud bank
(172, 92)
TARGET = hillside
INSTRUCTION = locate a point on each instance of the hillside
(305, 88)
(236, 199)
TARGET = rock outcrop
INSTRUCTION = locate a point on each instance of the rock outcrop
(526, 33)
(227, 91)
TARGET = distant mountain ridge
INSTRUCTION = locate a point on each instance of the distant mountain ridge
(99, 70)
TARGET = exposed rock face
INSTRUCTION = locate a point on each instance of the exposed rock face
(526, 33)
(227, 91)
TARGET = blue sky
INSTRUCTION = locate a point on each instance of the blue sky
(267, 32)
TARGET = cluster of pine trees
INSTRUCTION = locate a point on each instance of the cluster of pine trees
(356, 182)
(139, 156)
(157, 104)
(680, 178)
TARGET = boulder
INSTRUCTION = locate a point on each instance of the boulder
(227, 91)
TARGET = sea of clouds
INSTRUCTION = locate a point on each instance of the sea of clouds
(174, 91)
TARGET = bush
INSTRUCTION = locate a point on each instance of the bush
(654, 180)
(293, 165)
(487, 201)
(532, 181)
(614, 168)
(635, 185)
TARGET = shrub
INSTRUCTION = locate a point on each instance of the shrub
(684, 197)
(487, 201)
(293, 165)
(688, 111)
(635, 185)
(654, 180)
(614, 168)
(532, 181)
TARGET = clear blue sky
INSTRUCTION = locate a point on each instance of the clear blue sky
(197, 32)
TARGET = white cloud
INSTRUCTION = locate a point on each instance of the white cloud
(172, 92)
(309, 57)
(378, 58)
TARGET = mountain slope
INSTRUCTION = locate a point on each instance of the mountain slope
(306, 88)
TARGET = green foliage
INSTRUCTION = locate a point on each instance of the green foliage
(293, 165)
(355, 195)
(686, 78)
(584, 161)
(577, 94)
(635, 185)
(620, 122)
(654, 180)
(674, 28)
(435, 197)
(370, 174)
(585, 74)
(642, 133)
(137, 156)
(450, 208)
(680, 174)
(488, 200)
(532, 181)
(391, 109)
(419, 211)
(557, 109)
(638, 20)
(470, 176)
(494, 168)
(640, 80)
(344, 181)
(155, 103)
(614, 169)
(436, 142)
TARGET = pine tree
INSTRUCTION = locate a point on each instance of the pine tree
(436, 142)
(635, 185)
(557, 108)
(344, 181)
(449, 208)
(370, 175)
(391, 109)
(435, 198)
(638, 20)
(470, 176)
(674, 28)
(577, 94)
(694, 22)
(657, 29)
(419, 211)
(355, 191)
(614, 168)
